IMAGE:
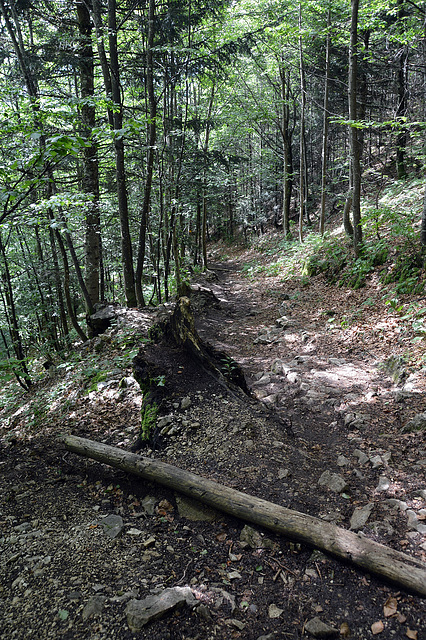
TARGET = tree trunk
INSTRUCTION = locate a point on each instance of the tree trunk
(353, 131)
(395, 566)
(68, 299)
(21, 370)
(90, 182)
(302, 146)
(287, 151)
(120, 170)
(325, 127)
(152, 134)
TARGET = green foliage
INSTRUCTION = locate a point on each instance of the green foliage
(149, 413)
(330, 261)
(406, 272)
(356, 274)
(94, 377)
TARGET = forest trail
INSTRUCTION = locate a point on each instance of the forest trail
(324, 436)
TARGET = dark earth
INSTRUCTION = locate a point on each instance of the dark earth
(330, 391)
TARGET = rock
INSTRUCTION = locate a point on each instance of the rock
(202, 611)
(384, 484)
(148, 505)
(140, 612)
(93, 607)
(395, 368)
(252, 538)
(320, 629)
(413, 522)
(164, 421)
(194, 510)
(265, 379)
(283, 473)
(397, 504)
(333, 481)
(293, 377)
(362, 457)
(418, 423)
(112, 525)
(277, 367)
(274, 611)
(233, 622)
(284, 322)
(376, 461)
(234, 575)
(360, 516)
(342, 461)
(186, 403)
(102, 319)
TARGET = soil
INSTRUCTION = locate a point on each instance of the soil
(322, 394)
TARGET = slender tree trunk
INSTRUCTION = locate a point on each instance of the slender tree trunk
(67, 292)
(205, 151)
(21, 371)
(423, 222)
(90, 180)
(325, 127)
(353, 131)
(120, 170)
(152, 135)
(58, 283)
(287, 151)
(97, 20)
(302, 146)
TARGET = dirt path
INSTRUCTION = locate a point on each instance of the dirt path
(324, 406)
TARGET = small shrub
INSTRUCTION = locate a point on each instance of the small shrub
(406, 272)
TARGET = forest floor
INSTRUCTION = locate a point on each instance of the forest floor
(336, 379)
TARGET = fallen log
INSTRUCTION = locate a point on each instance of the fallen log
(376, 558)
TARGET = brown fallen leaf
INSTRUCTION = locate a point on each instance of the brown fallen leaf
(390, 607)
(345, 631)
(411, 634)
(401, 618)
(165, 505)
(377, 627)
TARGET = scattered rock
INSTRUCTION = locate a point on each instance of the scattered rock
(320, 629)
(342, 461)
(333, 481)
(413, 522)
(141, 612)
(384, 484)
(186, 403)
(194, 510)
(274, 611)
(93, 607)
(418, 423)
(360, 516)
(252, 538)
(112, 525)
(362, 457)
(148, 505)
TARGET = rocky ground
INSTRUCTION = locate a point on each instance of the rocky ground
(329, 432)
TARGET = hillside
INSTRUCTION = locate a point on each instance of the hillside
(337, 376)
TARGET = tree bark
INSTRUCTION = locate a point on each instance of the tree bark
(353, 131)
(325, 127)
(120, 170)
(395, 566)
(152, 135)
(287, 151)
(90, 182)
(302, 145)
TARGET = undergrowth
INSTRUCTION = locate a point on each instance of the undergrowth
(391, 247)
